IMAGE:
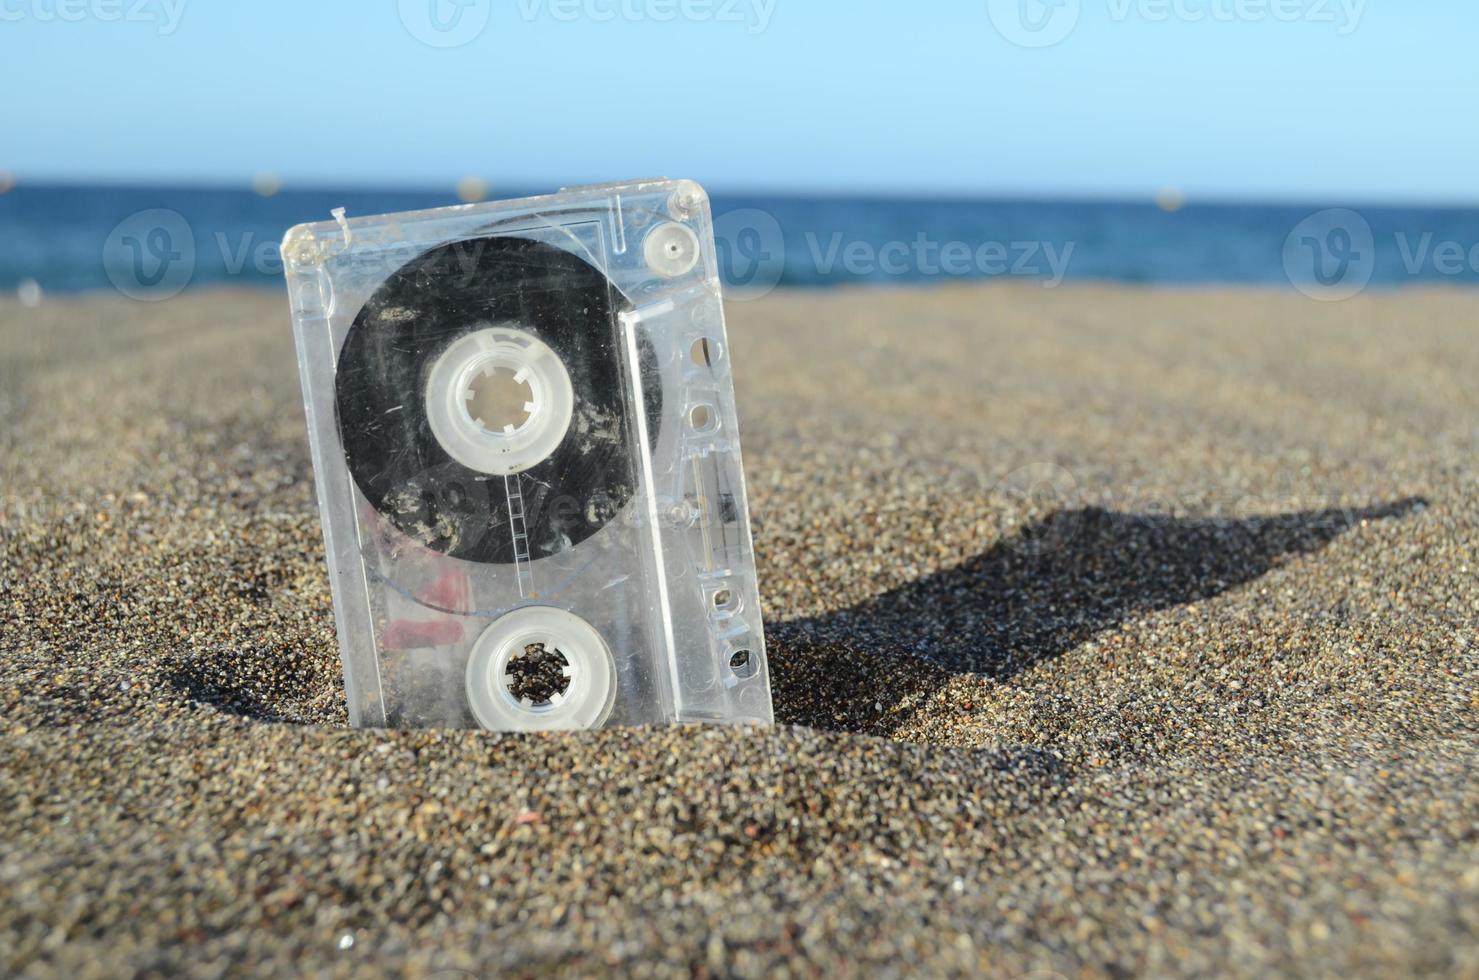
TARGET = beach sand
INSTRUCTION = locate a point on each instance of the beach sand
(1111, 630)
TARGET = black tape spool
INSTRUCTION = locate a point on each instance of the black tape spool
(380, 388)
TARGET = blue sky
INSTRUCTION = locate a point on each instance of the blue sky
(1348, 100)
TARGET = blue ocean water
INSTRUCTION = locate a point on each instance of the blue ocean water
(76, 238)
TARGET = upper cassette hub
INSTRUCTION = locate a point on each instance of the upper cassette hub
(528, 462)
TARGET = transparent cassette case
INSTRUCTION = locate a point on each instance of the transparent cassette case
(528, 462)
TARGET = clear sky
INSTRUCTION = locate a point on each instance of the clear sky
(1359, 100)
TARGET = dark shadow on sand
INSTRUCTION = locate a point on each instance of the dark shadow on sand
(1027, 599)
(262, 681)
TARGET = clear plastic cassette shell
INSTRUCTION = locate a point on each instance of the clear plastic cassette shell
(528, 462)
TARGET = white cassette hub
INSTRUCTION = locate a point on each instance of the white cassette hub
(475, 435)
(589, 672)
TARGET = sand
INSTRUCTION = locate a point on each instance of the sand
(1113, 631)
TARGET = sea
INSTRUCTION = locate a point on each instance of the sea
(146, 240)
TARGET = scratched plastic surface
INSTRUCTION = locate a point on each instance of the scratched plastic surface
(662, 572)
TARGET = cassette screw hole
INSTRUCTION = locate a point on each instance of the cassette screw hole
(722, 598)
(705, 352)
(538, 676)
(701, 417)
(498, 401)
(742, 663)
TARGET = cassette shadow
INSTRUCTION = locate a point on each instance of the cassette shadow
(1028, 599)
(270, 682)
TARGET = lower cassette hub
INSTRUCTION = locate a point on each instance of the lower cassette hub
(528, 462)
(582, 693)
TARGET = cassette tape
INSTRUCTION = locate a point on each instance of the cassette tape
(528, 462)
